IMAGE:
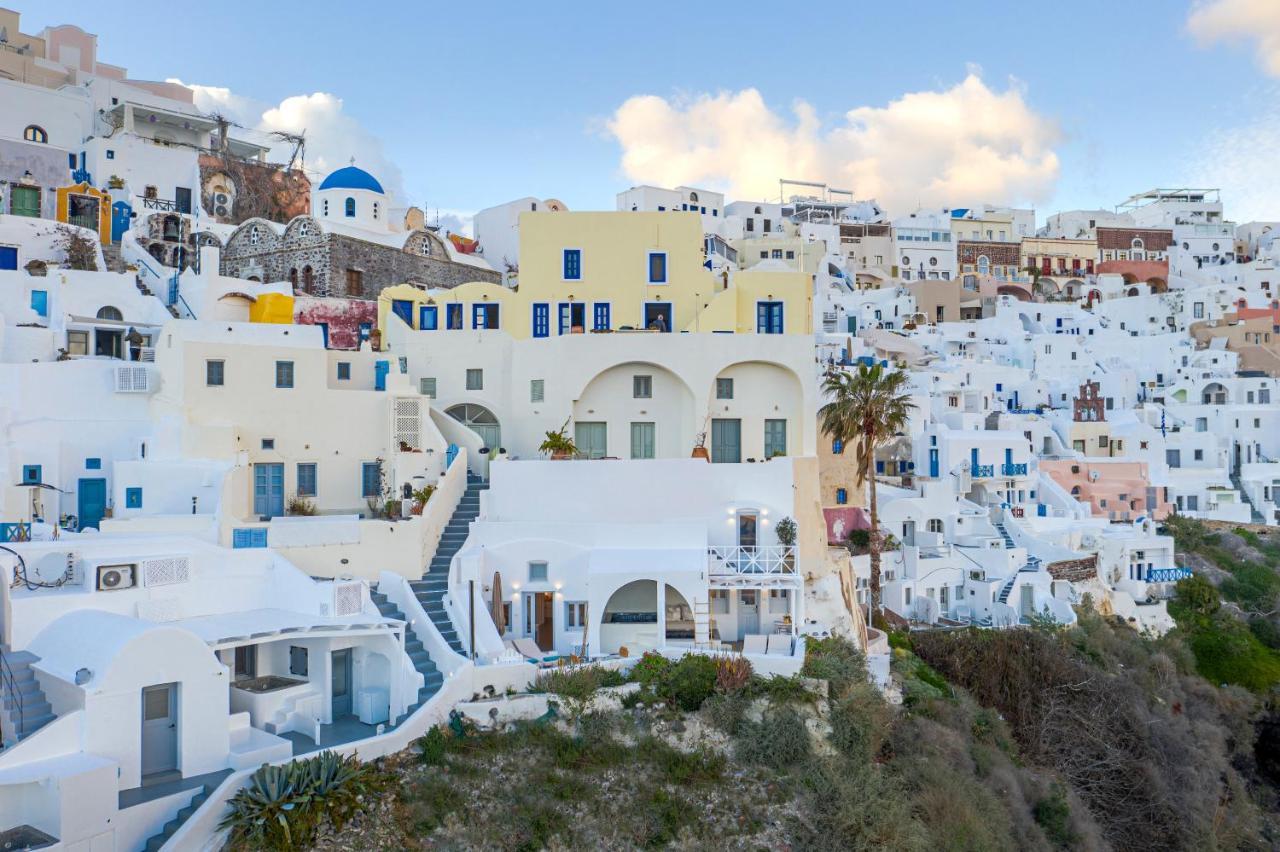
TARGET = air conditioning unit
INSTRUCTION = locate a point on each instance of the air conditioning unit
(221, 198)
(112, 578)
(221, 210)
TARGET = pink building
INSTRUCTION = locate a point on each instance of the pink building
(1118, 490)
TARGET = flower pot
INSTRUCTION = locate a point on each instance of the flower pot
(560, 455)
(701, 453)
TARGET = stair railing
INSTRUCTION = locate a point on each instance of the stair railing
(10, 685)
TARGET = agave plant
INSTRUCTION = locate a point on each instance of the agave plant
(281, 806)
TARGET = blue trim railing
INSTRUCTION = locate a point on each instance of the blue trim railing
(1013, 469)
(1167, 575)
(984, 471)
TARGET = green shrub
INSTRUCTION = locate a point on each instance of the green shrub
(1228, 652)
(1266, 631)
(899, 639)
(859, 723)
(650, 670)
(1053, 815)
(691, 681)
(577, 684)
(725, 711)
(680, 767)
(433, 746)
(780, 738)
(281, 806)
(851, 805)
(836, 661)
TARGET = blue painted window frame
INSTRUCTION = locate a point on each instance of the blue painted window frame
(453, 317)
(369, 479)
(572, 264)
(428, 318)
(837, 446)
(306, 479)
(284, 374)
(40, 302)
(93, 464)
(770, 318)
(344, 371)
(249, 537)
(349, 207)
(658, 275)
(133, 498)
(32, 474)
(842, 496)
(482, 312)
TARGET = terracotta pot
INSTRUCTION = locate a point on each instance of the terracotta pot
(701, 453)
(559, 455)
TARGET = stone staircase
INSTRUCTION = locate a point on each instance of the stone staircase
(1032, 566)
(431, 589)
(432, 677)
(24, 702)
(1004, 534)
(157, 841)
(146, 291)
(111, 254)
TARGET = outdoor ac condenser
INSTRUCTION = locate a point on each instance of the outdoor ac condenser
(112, 578)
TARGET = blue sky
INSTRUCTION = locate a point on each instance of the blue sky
(483, 103)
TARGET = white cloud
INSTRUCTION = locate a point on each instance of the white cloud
(333, 137)
(1213, 21)
(1241, 161)
(966, 144)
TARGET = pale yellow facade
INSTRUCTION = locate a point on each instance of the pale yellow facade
(607, 272)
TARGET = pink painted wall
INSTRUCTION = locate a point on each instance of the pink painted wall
(343, 316)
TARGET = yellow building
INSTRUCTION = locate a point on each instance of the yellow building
(603, 272)
(86, 206)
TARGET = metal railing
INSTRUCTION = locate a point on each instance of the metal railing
(1166, 575)
(726, 559)
(167, 204)
(10, 688)
(1013, 469)
(984, 471)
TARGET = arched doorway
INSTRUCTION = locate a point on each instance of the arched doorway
(480, 420)
(1214, 393)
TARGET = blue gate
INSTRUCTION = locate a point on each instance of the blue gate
(121, 218)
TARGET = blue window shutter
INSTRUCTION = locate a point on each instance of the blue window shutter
(879, 467)
(40, 302)
(133, 498)
(572, 264)
(93, 464)
(601, 311)
(258, 537)
(240, 538)
(31, 474)
(842, 496)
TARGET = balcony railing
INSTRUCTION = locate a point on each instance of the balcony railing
(984, 471)
(15, 532)
(1167, 575)
(1013, 469)
(167, 204)
(728, 560)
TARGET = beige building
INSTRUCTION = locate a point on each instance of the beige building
(1253, 337)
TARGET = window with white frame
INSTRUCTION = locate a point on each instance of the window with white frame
(575, 615)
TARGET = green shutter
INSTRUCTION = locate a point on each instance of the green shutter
(642, 440)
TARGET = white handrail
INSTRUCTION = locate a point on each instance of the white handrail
(774, 559)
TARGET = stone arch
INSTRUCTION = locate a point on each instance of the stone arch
(423, 243)
(1214, 393)
(308, 279)
(1129, 278)
(1157, 284)
(302, 228)
(609, 397)
(1013, 290)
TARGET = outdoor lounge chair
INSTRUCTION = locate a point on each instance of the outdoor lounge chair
(755, 644)
(529, 649)
(779, 645)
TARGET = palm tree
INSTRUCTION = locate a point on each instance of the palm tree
(867, 408)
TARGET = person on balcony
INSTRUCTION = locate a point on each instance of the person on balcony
(134, 339)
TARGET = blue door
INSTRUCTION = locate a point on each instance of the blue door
(40, 302)
(541, 319)
(324, 332)
(601, 316)
(769, 318)
(91, 498)
(268, 490)
(8, 257)
(428, 318)
(403, 308)
(121, 216)
(933, 463)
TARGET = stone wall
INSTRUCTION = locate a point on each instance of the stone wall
(1075, 570)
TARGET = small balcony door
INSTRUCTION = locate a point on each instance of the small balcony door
(726, 440)
(340, 682)
(591, 439)
(748, 525)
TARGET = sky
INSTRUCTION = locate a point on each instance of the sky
(1060, 106)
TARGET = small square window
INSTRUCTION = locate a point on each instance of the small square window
(111, 155)
(214, 373)
(344, 371)
(475, 379)
(842, 496)
(642, 387)
(297, 661)
(427, 387)
(536, 390)
(284, 374)
(268, 443)
(724, 388)
(537, 572)
(133, 498)
(31, 474)
(77, 343)
(93, 464)
(837, 446)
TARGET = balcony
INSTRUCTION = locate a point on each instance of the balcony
(1166, 575)
(983, 471)
(1013, 469)
(730, 561)
(165, 204)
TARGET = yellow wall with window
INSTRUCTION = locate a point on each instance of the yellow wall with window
(64, 194)
(617, 255)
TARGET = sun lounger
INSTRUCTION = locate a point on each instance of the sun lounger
(529, 649)
(755, 644)
(780, 645)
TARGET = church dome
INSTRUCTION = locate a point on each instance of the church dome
(351, 177)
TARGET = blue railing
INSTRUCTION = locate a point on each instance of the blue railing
(1167, 575)
(1013, 469)
(984, 471)
(15, 532)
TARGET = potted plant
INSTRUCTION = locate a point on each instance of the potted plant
(786, 533)
(300, 506)
(700, 447)
(558, 444)
(392, 509)
(420, 498)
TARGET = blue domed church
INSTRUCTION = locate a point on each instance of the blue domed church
(352, 244)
